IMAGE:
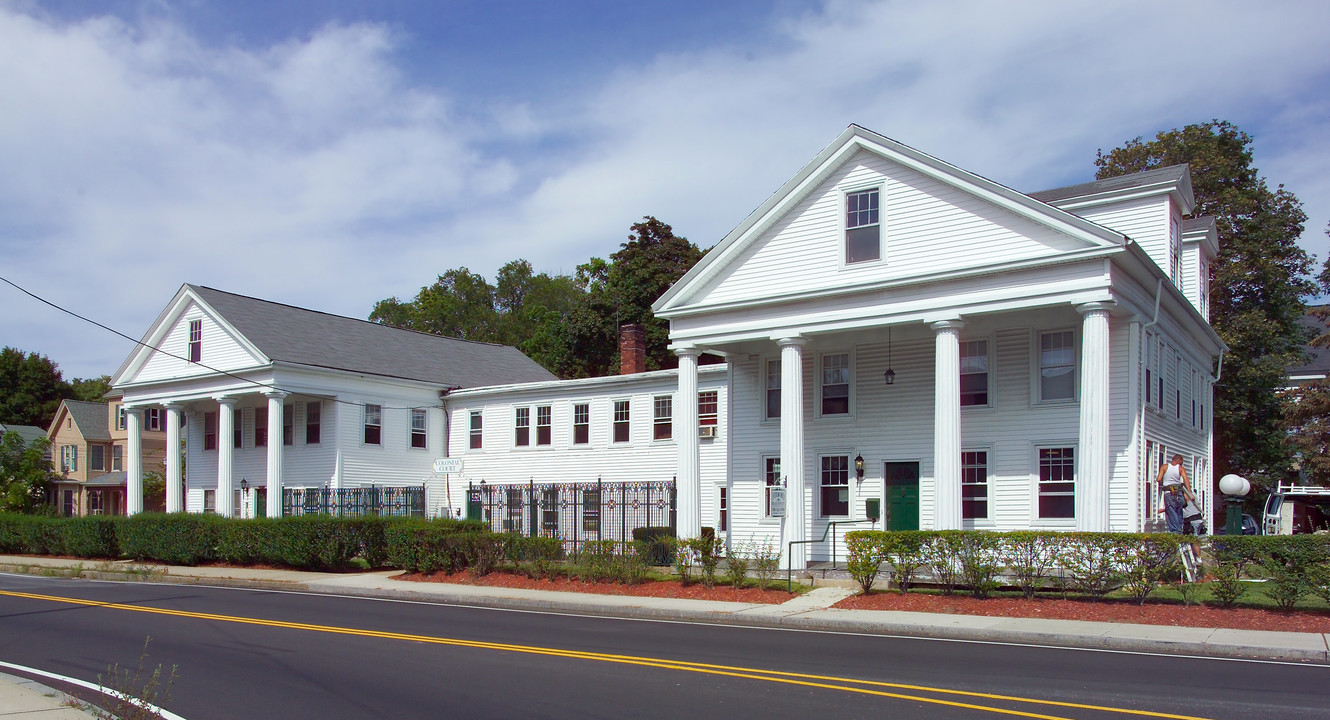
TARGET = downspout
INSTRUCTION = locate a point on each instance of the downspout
(1159, 293)
(447, 477)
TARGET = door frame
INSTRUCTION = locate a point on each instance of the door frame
(886, 504)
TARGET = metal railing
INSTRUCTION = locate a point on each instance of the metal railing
(574, 512)
(789, 547)
(355, 502)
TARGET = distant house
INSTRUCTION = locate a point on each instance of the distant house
(27, 432)
(1316, 360)
(897, 332)
(89, 445)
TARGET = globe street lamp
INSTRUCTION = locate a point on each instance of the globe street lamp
(1234, 488)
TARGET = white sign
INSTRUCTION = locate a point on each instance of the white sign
(777, 501)
(443, 466)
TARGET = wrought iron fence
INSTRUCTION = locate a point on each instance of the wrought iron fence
(574, 512)
(355, 502)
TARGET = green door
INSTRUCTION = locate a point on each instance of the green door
(902, 495)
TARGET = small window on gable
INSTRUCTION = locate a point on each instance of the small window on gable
(196, 341)
(863, 236)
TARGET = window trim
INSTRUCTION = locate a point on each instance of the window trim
(544, 430)
(152, 419)
(767, 460)
(96, 461)
(987, 520)
(844, 455)
(1037, 367)
(711, 419)
(851, 361)
(288, 424)
(662, 425)
(260, 427)
(366, 424)
(766, 388)
(585, 426)
(210, 437)
(843, 212)
(117, 458)
(989, 346)
(627, 421)
(317, 426)
(1037, 447)
(422, 432)
(475, 430)
(194, 345)
(521, 426)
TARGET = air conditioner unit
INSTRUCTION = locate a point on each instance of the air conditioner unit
(706, 431)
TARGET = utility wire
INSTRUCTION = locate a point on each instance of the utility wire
(168, 353)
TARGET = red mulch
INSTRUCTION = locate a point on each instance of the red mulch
(662, 588)
(1151, 613)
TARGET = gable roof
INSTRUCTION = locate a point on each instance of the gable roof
(27, 432)
(90, 418)
(1317, 362)
(1170, 176)
(288, 334)
(854, 139)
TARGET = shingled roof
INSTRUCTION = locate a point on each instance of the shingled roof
(1317, 358)
(91, 419)
(289, 334)
(1169, 174)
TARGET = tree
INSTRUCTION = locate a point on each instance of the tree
(91, 389)
(1308, 419)
(1257, 283)
(25, 473)
(31, 388)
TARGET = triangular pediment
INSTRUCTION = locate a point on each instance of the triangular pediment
(935, 219)
(164, 353)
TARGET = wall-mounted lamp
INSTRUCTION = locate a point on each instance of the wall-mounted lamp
(889, 375)
(244, 486)
(859, 466)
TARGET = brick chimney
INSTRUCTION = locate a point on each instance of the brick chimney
(632, 348)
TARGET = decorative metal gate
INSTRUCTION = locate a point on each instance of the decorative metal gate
(355, 502)
(574, 512)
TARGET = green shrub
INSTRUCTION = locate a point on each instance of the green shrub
(766, 563)
(175, 538)
(429, 546)
(685, 558)
(30, 534)
(707, 550)
(484, 552)
(908, 554)
(636, 563)
(660, 551)
(736, 567)
(943, 552)
(1029, 557)
(1145, 560)
(1228, 587)
(89, 537)
(1291, 561)
(865, 548)
(536, 557)
(979, 555)
(1093, 562)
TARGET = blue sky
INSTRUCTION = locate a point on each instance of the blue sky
(331, 154)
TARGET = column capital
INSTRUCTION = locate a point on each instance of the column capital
(944, 325)
(174, 406)
(135, 409)
(1104, 306)
(275, 393)
(792, 340)
(227, 400)
(687, 351)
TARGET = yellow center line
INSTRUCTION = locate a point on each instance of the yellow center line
(777, 676)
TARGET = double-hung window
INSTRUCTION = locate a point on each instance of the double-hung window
(69, 458)
(97, 457)
(836, 384)
(974, 485)
(238, 429)
(708, 407)
(773, 389)
(863, 234)
(974, 373)
(662, 417)
(117, 458)
(313, 421)
(210, 431)
(581, 423)
(373, 424)
(260, 427)
(152, 418)
(544, 421)
(119, 417)
(771, 477)
(522, 426)
(1057, 366)
(419, 427)
(1057, 482)
(476, 430)
(288, 424)
(835, 485)
(195, 341)
(621, 421)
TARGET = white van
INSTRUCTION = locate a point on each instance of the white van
(1296, 509)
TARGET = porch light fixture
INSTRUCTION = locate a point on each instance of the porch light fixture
(889, 375)
(244, 486)
(859, 466)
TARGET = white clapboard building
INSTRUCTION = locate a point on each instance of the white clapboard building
(899, 335)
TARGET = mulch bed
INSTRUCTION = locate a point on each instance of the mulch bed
(661, 588)
(1151, 613)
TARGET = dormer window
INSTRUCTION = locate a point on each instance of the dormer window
(195, 341)
(863, 236)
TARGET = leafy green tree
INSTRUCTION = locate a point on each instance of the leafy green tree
(25, 473)
(1257, 283)
(91, 389)
(1308, 419)
(31, 388)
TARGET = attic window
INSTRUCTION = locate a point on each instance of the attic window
(863, 237)
(195, 341)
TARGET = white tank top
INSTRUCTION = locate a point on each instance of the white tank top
(1173, 475)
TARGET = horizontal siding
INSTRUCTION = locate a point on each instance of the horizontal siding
(1144, 220)
(928, 226)
(219, 350)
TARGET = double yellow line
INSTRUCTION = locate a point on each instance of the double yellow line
(826, 682)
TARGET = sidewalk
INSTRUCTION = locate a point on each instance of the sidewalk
(811, 611)
(21, 697)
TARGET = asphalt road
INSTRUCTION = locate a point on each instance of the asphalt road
(243, 653)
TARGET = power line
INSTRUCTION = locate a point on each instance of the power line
(168, 353)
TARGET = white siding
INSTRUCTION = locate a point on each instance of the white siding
(927, 226)
(1145, 220)
(220, 350)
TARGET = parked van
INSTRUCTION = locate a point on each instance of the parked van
(1296, 509)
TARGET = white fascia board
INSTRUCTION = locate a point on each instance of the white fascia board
(152, 340)
(1207, 240)
(904, 281)
(1180, 191)
(590, 384)
(850, 142)
(1140, 266)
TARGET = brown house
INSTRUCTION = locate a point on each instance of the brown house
(88, 446)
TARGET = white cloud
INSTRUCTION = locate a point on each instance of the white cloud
(316, 171)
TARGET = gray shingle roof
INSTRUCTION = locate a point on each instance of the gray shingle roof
(27, 432)
(307, 337)
(1318, 359)
(1171, 173)
(1204, 224)
(91, 419)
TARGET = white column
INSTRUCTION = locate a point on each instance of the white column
(174, 496)
(689, 481)
(226, 414)
(134, 461)
(275, 446)
(947, 426)
(797, 515)
(1092, 457)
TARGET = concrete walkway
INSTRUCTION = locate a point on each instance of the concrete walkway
(24, 698)
(811, 611)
